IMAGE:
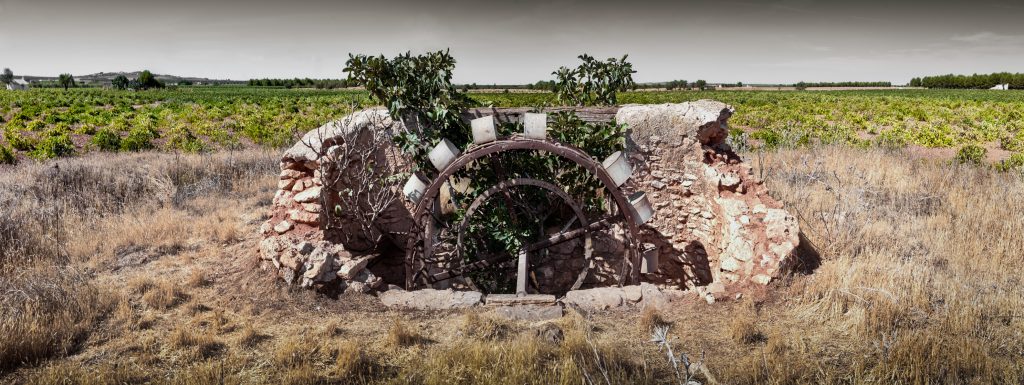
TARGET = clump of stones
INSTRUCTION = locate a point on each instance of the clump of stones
(715, 229)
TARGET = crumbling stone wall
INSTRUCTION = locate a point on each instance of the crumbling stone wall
(715, 226)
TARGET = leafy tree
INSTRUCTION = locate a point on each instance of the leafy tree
(594, 82)
(146, 80)
(66, 80)
(416, 89)
(120, 82)
(700, 84)
(7, 76)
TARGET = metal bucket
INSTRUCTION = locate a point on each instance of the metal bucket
(414, 188)
(483, 130)
(618, 167)
(535, 126)
(443, 154)
(641, 207)
(649, 264)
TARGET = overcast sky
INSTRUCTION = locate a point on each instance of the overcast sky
(518, 41)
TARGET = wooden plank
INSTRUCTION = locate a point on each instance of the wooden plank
(515, 114)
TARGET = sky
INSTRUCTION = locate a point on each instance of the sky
(519, 41)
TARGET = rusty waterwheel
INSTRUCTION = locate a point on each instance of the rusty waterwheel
(499, 183)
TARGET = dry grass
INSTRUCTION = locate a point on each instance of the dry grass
(164, 295)
(919, 283)
(401, 335)
(651, 318)
(486, 326)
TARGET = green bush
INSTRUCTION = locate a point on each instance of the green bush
(594, 82)
(1011, 143)
(17, 140)
(7, 155)
(971, 154)
(1014, 163)
(418, 87)
(770, 138)
(138, 139)
(181, 138)
(54, 143)
(106, 140)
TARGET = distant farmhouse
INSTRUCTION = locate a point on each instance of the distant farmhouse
(1001, 87)
(18, 84)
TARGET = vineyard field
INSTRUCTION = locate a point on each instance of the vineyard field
(47, 123)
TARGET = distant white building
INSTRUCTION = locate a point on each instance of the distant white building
(18, 84)
(1001, 87)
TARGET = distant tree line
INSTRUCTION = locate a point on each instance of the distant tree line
(976, 81)
(802, 85)
(299, 83)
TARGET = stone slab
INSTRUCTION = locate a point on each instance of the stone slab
(430, 299)
(512, 299)
(529, 313)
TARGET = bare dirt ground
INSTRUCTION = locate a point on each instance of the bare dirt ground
(148, 274)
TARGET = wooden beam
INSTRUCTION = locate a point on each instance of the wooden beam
(515, 114)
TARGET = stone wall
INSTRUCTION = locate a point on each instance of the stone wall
(715, 227)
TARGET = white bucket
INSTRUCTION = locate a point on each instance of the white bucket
(535, 126)
(414, 188)
(618, 167)
(649, 264)
(483, 130)
(641, 207)
(443, 154)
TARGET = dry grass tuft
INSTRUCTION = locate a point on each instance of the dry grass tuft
(197, 278)
(486, 326)
(164, 295)
(250, 338)
(401, 335)
(47, 313)
(651, 318)
(297, 352)
(351, 361)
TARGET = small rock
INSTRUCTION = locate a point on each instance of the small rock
(729, 264)
(652, 296)
(283, 226)
(550, 332)
(710, 299)
(600, 298)
(657, 184)
(285, 184)
(357, 288)
(633, 293)
(761, 279)
(730, 180)
(309, 195)
(311, 207)
(349, 269)
(303, 217)
(304, 248)
(292, 174)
